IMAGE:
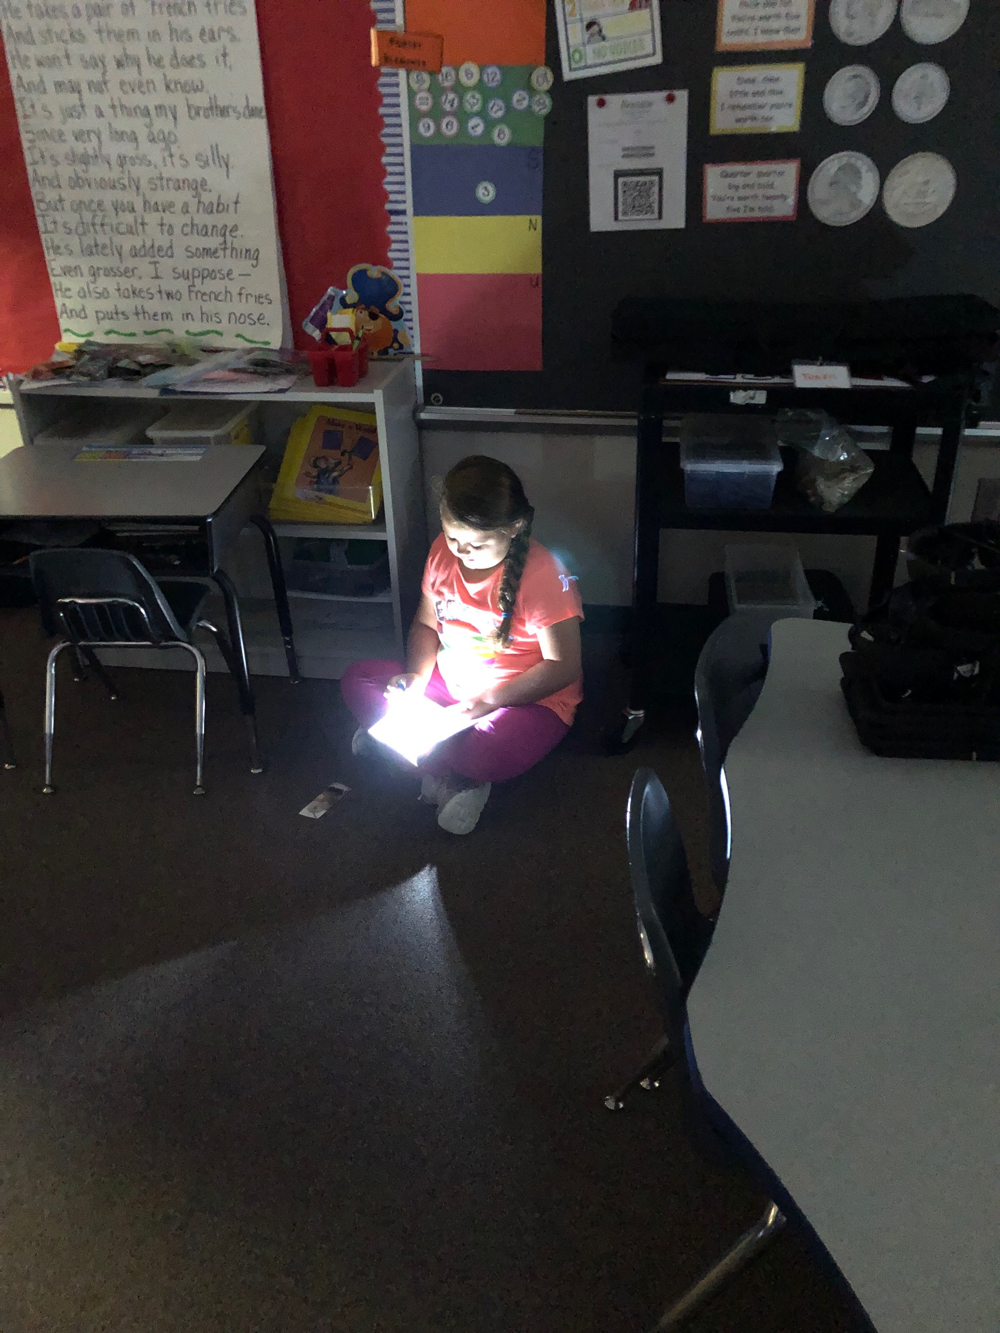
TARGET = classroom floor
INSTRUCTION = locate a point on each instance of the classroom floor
(263, 1074)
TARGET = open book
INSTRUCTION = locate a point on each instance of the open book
(413, 724)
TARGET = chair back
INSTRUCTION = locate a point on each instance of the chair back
(93, 596)
(727, 682)
(673, 932)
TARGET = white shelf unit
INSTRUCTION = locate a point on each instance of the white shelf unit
(330, 631)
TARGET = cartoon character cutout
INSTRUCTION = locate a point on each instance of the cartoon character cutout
(374, 292)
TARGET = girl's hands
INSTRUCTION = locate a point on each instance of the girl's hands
(399, 684)
(476, 707)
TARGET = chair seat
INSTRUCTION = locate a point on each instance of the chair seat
(185, 600)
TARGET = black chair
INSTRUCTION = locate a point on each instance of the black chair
(727, 681)
(674, 933)
(675, 937)
(107, 599)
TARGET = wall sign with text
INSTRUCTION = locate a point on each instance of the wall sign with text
(756, 99)
(764, 25)
(751, 191)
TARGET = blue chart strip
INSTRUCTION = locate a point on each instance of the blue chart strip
(459, 180)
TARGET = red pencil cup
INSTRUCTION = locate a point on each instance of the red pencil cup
(348, 363)
(323, 367)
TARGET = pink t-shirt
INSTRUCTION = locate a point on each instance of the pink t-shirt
(468, 614)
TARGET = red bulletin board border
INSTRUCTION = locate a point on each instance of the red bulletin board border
(323, 114)
(795, 162)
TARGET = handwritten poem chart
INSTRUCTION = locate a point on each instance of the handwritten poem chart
(146, 143)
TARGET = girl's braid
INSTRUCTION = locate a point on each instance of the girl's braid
(510, 581)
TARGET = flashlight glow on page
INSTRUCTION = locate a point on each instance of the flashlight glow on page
(413, 724)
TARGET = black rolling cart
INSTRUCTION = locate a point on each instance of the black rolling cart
(893, 503)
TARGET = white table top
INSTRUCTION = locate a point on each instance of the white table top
(45, 481)
(847, 1016)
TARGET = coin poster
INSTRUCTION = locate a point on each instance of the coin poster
(756, 99)
(764, 25)
(843, 188)
(606, 36)
(919, 189)
(751, 191)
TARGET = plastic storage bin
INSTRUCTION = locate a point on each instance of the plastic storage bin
(767, 577)
(109, 425)
(729, 462)
(335, 567)
(204, 423)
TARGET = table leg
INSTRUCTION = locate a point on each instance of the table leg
(280, 592)
(239, 651)
(884, 568)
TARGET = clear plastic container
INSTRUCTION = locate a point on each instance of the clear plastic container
(204, 423)
(108, 424)
(767, 577)
(729, 462)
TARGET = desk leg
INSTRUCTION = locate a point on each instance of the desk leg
(883, 568)
(280, 592)
(239, 651)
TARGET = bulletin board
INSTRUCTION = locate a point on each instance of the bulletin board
(324, 118)
(585, 274)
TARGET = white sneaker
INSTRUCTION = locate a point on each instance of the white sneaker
(431, 789)
(363, 745)
(459, 811)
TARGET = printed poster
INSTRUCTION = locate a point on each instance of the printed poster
(751, 191)
(605, 36)
(145, 139)
(764, 25)
(638, 160)
(756, 99)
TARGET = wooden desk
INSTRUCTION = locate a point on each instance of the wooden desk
(847, 1016)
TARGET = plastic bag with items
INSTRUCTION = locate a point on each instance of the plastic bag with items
(831, 468)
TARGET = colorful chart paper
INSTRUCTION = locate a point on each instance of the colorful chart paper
(756, 99)
(475, 165)
(607, 36)
(751, 191)
(764, 25)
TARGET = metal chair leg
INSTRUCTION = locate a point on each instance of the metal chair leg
(199, 716)
(256, 764)
(100, 671)
(647, 1076)
(750, 1244)
(50, 712)
(8, 744)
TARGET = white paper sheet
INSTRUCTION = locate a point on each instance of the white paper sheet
(638, 160)
(146, 143)
(605, 36)
(413, 724)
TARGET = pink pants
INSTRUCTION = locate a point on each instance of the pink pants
(500, 746)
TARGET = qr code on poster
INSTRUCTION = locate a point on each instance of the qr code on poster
(639, 195)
